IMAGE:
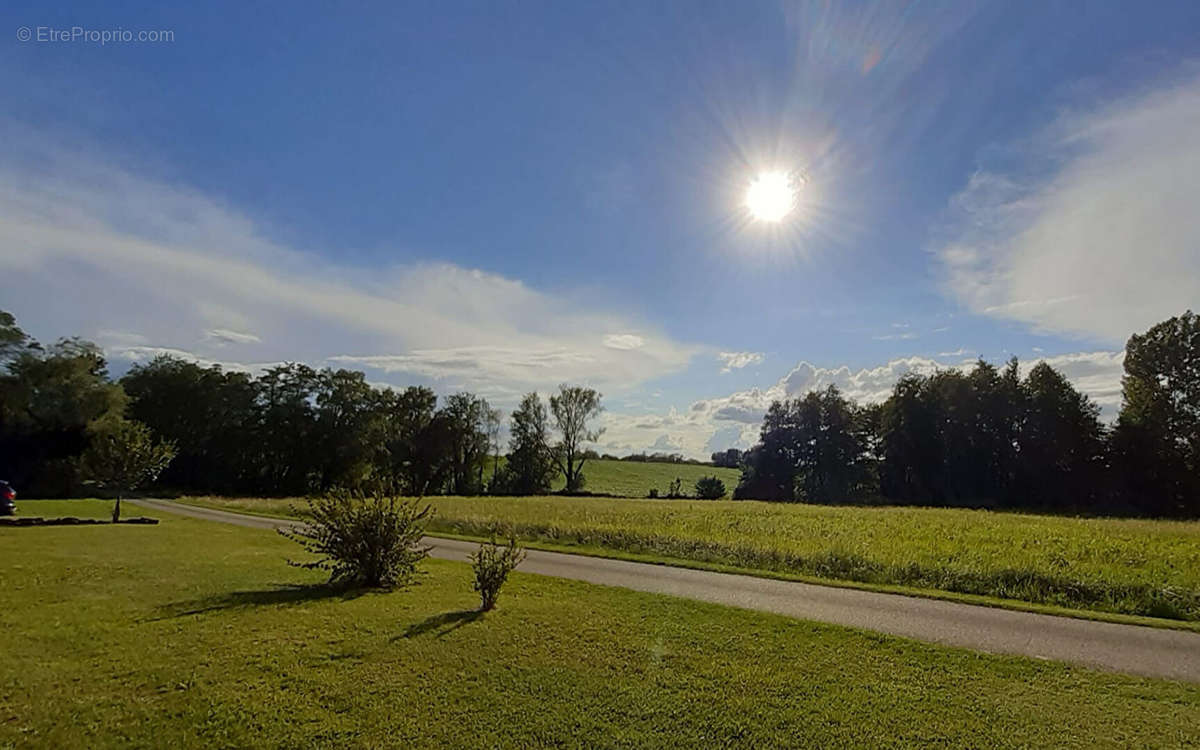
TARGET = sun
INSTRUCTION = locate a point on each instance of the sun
(771, 196)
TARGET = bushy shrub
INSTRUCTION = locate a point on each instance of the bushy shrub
(710, 488)
(492, 563)
(675, 491)
(363, 541)
(653, 493)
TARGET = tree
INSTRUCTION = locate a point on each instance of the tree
(573, 407)
(1061, 443)
(710, 488)
(731, 458)
(123, 456)
(466, 417)
(48, 397)
(1157, 439)
(812, 449)
(530, 467)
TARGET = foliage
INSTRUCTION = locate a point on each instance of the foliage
(730, 458)
(363, 540)
(813, 449)
(675, 490)
(1157, 442)
(262, 643)
(573, 408)
(123, 456)
(492, 563)
(48, 398)
(530, 467)
(710, 488)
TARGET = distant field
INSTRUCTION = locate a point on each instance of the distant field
(636, 479)
(196, 634)
(1138, 567)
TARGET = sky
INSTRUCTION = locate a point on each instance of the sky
(501, 197)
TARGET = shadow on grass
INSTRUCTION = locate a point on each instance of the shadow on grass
(442, 624)
(282, 595)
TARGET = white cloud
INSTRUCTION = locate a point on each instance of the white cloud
(908, 335)
(1106, 241)
(959, 352)
(738, 360)
(87, 246)
(624, 341)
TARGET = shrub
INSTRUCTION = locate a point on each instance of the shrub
(363, 541)
(675, 491)
(653, 493)
(710, 488)
(493, 563)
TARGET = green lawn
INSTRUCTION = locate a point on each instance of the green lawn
(636, 479)
(1134, 567)
(193, 634)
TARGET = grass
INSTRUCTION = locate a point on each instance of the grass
(196, 634)
(1131, 567)
(636, 478)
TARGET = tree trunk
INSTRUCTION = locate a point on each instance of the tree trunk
(116, 516)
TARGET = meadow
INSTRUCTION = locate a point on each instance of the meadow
(637, 478)
(197, 633)
(1133, 567)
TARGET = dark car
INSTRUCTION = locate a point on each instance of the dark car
(8, 498)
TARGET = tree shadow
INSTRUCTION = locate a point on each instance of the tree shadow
(281, 595)
(442, 624)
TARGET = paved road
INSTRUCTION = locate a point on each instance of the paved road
(1152, 652)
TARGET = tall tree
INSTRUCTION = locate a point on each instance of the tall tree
(1061, 443)
(466, 416)
(530, 467)
(1157, 438)
(573, 408)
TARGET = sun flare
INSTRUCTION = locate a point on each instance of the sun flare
(771, 196)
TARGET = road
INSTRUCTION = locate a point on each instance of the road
(1132, 649)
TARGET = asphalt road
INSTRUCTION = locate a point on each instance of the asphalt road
(1151, 652)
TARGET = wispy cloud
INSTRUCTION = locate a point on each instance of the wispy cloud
(1095, 230)
(94, 247)
(738, 360)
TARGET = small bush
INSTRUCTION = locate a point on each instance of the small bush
(675, 491)
(363, 541)
(653, 493)
(493, 563)
(710, 488)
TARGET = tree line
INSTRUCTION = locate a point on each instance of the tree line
(291, 430)
(989, 438)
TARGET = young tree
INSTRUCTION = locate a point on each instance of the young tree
(710, 488)
(123, 456)
(530, 467)
(573, 407)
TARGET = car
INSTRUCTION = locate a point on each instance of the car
(8, 499)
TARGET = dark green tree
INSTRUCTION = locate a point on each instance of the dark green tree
(1156, 444)
(530, 467)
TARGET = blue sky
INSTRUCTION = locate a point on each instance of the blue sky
(503, 196)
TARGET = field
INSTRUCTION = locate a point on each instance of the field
(636, 478)
(1133, 567)
(194, 633)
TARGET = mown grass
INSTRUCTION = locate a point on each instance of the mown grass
(636, 478)
(1134, 567)
(196, 634)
